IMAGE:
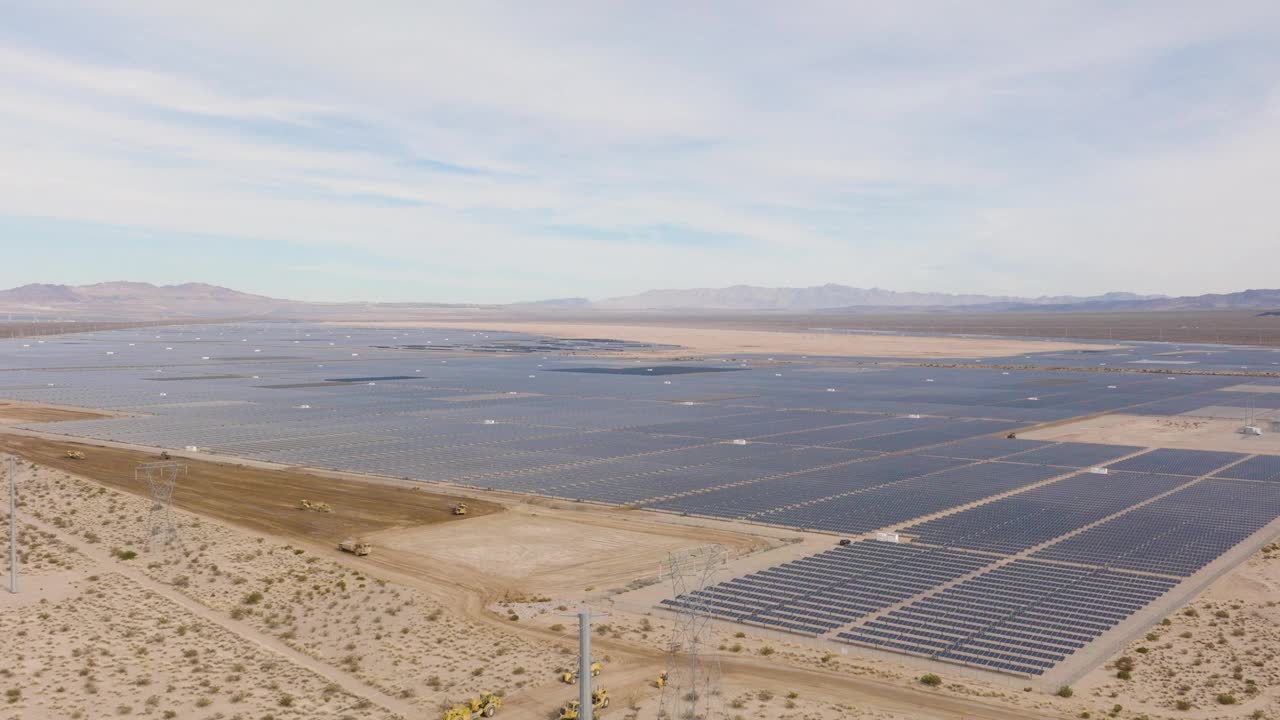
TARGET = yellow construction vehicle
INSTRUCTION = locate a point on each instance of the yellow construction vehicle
(75, 454)
(460, 509)
(572, 677)
(314, 506)
(485, 706)
(599, 701)
(661, 680)
(355, 547)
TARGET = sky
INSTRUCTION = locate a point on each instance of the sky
(498, 152)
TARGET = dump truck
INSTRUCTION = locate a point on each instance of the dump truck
(460, 509)
(485, 706)
(314, 506)
(75, 454)
(355, 547)
(599, 701)
(572, 677)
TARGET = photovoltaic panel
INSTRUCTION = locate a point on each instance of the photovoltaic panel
(1179, 533)
(823, 592)
(1023, 520)
(1022, 618)
(1077, 455)
(986, 448)
(887, 505)
(1193, 463)
(1265, 468)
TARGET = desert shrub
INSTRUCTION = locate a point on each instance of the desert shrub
(1066, 691)
(931, 680)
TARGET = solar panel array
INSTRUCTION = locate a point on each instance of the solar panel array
(1179, 533)
(823, 592)
(892, 503)
(1024, 520)
(1023, 617)
(842, 449)
(1265, 468)
(1178, 462)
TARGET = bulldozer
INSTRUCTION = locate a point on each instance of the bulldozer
(485, 706)
(572, 677)
(355, 547)
(599, 701)
(75, 454)
(314, 506)
(460, 509)
(661, 681)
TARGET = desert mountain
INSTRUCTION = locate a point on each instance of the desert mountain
(132, 299)
(830, 296)
(144, 301)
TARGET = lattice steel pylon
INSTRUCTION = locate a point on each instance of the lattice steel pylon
(692, 688)
(162, 479)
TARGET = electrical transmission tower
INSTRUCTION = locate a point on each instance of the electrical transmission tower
(162, 478)
(13, 524)
(692, 688)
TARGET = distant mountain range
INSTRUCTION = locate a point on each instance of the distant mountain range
(144, 301)
(832, 297)
(135, 300)
(131, 299)
(842, 298)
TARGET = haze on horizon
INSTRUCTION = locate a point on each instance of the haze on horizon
(500, 152)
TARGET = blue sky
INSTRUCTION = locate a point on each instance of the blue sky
(484, 152)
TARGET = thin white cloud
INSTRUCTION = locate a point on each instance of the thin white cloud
(926, 147)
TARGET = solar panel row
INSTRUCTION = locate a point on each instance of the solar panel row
(1023, 520)
(892, 503)
(823, 592)
(1179, 533)
(1023, 617)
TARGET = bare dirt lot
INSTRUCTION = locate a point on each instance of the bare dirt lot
(12, 413)
(257, 498)
(538, 551)
(713, 341)
(1185, 432)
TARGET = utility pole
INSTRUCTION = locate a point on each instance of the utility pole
(13, 526)
(584, 664)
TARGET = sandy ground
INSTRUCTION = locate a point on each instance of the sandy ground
(13, 413)
(283, 627)
(695, 341)
(543, 552)
(1215, 658)
(1181, 431)
(263, 499)
(263, 620)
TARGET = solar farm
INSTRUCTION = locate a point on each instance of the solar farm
(1011, 555)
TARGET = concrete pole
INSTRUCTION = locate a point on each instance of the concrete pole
(584, 664)
(13, 526)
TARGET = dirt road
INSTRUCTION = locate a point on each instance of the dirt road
(256, 498)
